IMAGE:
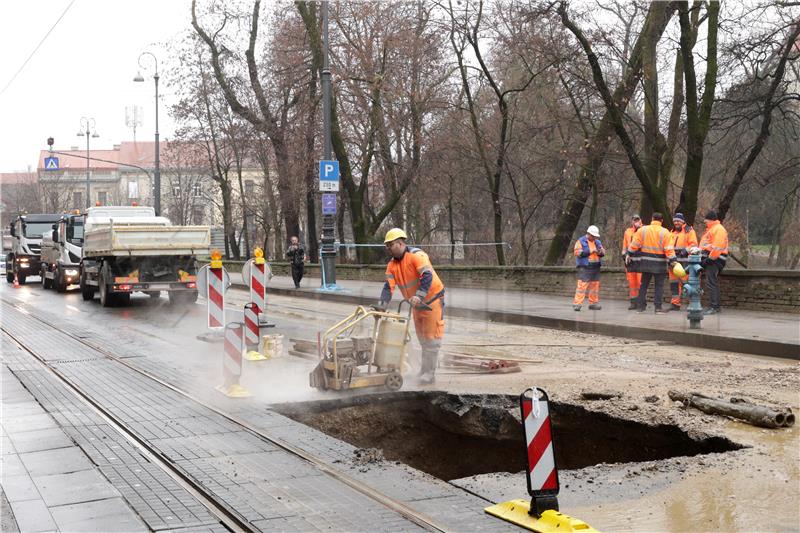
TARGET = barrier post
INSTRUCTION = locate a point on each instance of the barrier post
(232, 362)
(541, 473)
(252, 333)
(216, 292)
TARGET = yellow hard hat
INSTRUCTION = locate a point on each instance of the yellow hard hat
(679, 271)
(394, 234)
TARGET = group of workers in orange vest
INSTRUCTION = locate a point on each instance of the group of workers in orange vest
(650, 252)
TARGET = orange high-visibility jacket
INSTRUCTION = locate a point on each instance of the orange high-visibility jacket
(594, 258)
(627, 237)
(654, 246)
(410, 275)
(715, 241)
(683, 240)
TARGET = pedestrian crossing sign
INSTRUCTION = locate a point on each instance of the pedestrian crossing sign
(51, 163)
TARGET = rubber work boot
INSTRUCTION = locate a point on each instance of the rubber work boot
(711, 311)
(674, 307)
(576, 307)
(660, 311)
(633, 305)
(430, 356)
(595, 307)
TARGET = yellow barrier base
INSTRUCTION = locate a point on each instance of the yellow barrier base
(234, 391)
(516, 512)
(253, 355)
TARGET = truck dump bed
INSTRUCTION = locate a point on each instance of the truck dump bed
(146, 240)
(136, 231)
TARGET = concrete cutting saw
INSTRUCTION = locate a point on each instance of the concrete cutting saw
(348, 361)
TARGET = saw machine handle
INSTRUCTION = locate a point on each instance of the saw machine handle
(422, 306)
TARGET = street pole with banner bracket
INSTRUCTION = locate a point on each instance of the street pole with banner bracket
(328, 170)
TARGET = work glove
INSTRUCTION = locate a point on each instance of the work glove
(627, 259)
(584, 254)
(380, 306)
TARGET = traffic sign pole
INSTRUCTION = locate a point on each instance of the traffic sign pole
(328, 248)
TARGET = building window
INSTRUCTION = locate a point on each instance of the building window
(102, 197)
(196, 190)
(249, 187)
(197, 214)
(176, 192)
(77, 200)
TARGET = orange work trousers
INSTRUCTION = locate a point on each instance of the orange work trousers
(590, 287)
(429, 325)
(634, 282)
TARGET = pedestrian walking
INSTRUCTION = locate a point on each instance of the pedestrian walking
(652, 244)
(632, 273)
(588, 251)
(297, 258)
(684, 239)
(714, 246)
(410, 270)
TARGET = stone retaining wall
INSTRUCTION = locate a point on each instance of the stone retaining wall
(761, 290)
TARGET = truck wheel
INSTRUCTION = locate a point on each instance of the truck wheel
(10, 276)
(60, 282)
(87, 292)
(106, 298)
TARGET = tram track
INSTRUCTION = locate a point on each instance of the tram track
(229, 517)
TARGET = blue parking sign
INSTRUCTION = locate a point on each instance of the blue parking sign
(329, 176)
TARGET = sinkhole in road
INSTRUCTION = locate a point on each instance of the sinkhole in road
(452, 436)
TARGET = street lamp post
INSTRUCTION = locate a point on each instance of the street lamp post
(157, 173)
(88, 129)
(328, 248)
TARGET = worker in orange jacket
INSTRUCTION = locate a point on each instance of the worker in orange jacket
(631, 270)
(588, 251)
(684, 238)
(411, 271)
(653, 245)
(714, 246)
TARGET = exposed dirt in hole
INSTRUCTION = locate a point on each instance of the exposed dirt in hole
(455, 436)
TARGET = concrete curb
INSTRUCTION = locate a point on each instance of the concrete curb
(684, 338)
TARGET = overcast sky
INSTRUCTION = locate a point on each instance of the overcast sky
(84, 68)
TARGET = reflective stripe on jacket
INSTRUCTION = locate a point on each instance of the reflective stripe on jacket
(586, 252)
(715, 241)
(413, 274)
(654, 246)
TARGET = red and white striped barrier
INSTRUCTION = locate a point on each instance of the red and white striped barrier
(541, 473)
(252, 333)
(216, 298)
(232, 362)
(258, 282)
